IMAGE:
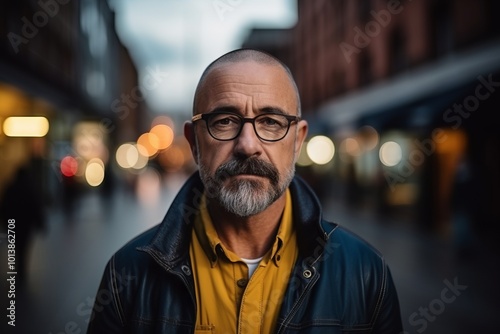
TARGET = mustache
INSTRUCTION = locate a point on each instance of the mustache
(251, 166)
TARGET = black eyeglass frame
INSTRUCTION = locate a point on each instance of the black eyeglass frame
(206, 117)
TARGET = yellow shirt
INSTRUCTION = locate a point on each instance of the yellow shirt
(227, 300)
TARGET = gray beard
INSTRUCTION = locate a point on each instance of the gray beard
(245, 198)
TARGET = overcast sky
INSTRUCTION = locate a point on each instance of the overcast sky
(181, 37)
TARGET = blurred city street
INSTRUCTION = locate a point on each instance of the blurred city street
(402, 147)
(68, 258)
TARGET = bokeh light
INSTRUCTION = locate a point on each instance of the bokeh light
(139, 160)
(126, 155)
(94, 172)
(69, 166)
(165, 136)
(320, 150)
(147, 144)
(26, 126)
(390, 153)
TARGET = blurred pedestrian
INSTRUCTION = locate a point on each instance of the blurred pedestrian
(243, 247)
(22, 201)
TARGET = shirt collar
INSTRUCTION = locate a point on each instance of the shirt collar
(213, 247)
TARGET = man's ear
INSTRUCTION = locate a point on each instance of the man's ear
(302, 128)
(191, 138)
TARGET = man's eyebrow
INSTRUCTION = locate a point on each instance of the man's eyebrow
(225, 109)
(265, 110)
(273, 110)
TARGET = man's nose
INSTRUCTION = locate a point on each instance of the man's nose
(247, 143)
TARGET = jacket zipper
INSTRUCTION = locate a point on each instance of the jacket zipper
(297, 304)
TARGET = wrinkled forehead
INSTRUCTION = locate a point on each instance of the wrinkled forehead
(268, 81)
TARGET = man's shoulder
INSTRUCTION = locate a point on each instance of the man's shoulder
(130, 252)
(349, 256)
(352, 246)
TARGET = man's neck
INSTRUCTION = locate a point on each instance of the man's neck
(248, 237)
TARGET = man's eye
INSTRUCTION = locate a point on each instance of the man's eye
(224, 121)
(271, 122)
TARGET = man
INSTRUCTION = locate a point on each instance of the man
(244, 248)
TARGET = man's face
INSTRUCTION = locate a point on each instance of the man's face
(246, 174)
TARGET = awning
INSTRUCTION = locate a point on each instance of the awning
(414, 95)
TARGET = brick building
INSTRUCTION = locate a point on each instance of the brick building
(410, 70)
(342, 46)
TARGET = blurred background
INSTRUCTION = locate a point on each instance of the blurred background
(403, 147)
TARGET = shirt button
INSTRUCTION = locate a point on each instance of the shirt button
(242, 283)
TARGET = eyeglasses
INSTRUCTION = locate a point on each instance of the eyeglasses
(227, 125)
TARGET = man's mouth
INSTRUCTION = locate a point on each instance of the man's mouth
(250, 175)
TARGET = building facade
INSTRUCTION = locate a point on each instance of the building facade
(407, 91)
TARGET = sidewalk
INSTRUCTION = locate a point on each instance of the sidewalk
(439, 292)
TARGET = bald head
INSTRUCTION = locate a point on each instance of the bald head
(240, 56)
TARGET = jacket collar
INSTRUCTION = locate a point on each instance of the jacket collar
(171, 242)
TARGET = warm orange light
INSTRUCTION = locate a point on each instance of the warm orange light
(26, 126)
(147, 144)
(165, 136)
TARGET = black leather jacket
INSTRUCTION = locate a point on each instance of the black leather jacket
(340, 284)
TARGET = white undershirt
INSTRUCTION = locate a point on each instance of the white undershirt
(252, 265)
